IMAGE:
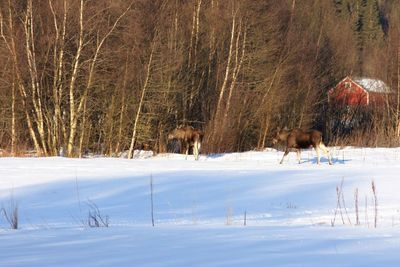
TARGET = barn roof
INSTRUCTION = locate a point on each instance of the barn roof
(373, 85)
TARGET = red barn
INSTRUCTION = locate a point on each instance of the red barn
(359, 91)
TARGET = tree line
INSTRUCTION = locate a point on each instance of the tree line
(109, 76)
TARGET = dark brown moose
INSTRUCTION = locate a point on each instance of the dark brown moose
(189, 137)
(298, 139)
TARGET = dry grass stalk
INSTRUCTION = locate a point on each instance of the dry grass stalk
(95, 218)
(356, 207)
(11, 215)
(375, 204)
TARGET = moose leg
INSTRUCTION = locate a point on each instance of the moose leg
(326, 152)
(317, 150)
(182, 147)
(284, 155)
(298, 152)
(196, 150)
(187, 149)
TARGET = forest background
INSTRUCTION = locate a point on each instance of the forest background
(107, 76)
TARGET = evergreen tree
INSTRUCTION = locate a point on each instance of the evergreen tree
(345, 8)
(371, 25)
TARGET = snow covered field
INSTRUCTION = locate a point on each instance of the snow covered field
(200, 208)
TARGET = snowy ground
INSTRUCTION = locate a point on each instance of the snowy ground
(200, 208)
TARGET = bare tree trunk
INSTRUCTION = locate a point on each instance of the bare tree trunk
(58, 62)
(72, 102)
(226, 78)
(211, 56)
(235, 73)
(139, 110)
(11, 46)
(122, 111)
(236, 70)
(398, 94)
(83, 128)
(228, 66)
(77, 111)
(110, 127)
(196, 42)
(13, 121)
(186, 93)
(282, 58)
(36, 90)
(266, 129)
(292, 12)
(193, 90)
(192, 36)
(303, 109)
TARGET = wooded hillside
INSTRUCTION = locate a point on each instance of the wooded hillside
(107, 76)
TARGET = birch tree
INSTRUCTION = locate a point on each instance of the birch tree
(140, 105)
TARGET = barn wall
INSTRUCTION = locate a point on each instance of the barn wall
(349, 93)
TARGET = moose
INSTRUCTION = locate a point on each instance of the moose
(189, 137)
(298, 139)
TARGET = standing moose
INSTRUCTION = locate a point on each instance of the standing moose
(189, 137)
(298, 139)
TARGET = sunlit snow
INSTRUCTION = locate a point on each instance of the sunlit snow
(239, 209)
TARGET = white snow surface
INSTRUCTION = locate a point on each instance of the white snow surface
(200, 208)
